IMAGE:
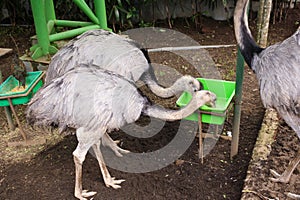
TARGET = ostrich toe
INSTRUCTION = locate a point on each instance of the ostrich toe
(293, 196)
(112, 182)
(84, 194)
(107, 141)
(283, 178)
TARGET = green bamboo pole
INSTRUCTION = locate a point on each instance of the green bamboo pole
(86, 9)
(100, 10)
(68, 23)
(50, 14)
(41, 27)
(38, 11)
(71, 33)
(237, 105)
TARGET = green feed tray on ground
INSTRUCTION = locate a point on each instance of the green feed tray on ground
(224, 90)
(20, 97)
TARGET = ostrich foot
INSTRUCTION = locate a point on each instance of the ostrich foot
(279, 178)
(84, 194)
(107, 141)
(118, 151)
(112, 182)
(293, 196)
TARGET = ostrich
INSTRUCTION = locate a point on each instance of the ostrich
(95, 102)
(107, 50)
(118, 54)
(277, 68)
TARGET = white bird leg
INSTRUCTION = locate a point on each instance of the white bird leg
(108, 180)
(286, 175)
(109, 142)
(79, 193)
(85, 141)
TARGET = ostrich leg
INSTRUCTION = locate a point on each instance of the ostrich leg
(108, 180)
(85, 141)
(107, 141)
(286, 175)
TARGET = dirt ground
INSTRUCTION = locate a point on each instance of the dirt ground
(47, 171)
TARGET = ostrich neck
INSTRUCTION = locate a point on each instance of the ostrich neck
(243, 34)
(159, 90)
(172, 115)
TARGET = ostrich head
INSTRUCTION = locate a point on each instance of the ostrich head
(207, 96)
(186, 83)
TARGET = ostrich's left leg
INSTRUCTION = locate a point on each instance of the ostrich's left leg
(85, 141)
(108, 180)
(286, 175)
(107, 141)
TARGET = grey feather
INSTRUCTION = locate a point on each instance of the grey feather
(86, 98)
(105, 50)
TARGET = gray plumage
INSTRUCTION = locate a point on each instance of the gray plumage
(105, 50)
(109, 51)
(277, 68)
(95, 102)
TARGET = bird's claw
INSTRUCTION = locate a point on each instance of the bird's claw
(293, 196)
(85, 194)
(112, 182)
(278, 177)
(119, 151)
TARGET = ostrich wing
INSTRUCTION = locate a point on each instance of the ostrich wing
(103, 49)
(86, 98)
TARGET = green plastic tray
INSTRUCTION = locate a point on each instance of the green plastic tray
(225, 91)
(33, 82)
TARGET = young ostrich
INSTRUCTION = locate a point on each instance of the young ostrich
(95, 102)
(277, 68)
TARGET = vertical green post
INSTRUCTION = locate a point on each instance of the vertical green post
(237, 104)
(38, 11)
(50, 13)
(100, 10)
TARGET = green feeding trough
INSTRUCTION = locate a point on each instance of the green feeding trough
(33, 84)
(225, 91)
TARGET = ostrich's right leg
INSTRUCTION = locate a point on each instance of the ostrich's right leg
(85, 141)
(286, 175)
(108, 180)
(107, 141)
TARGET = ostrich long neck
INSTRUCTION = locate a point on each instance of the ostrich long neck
(172, 115)
(243, 34)
(159, 90)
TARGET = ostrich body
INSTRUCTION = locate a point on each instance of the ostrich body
(107, 50)
(95, 102)
(277, 68)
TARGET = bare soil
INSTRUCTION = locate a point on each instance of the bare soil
(47, 171)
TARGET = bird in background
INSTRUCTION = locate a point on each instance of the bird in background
(18, 67)
(116, 53)
(277, 69)
(19, 70)
(95, 102)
